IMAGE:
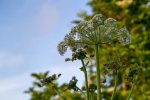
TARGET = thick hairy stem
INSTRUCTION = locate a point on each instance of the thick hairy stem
(116, 82)
(86, 79)
(98, 73)
(130, 92)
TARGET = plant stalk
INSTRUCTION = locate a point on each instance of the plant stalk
(86, 79)
(130, 91)
(116, 82)
(98, 73)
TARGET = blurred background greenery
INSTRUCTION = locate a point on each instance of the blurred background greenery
(133, 14)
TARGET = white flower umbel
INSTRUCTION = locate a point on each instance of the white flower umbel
(94, 32)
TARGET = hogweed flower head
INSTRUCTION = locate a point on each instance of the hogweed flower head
(94, 32)
(132, 73)
(114, 66)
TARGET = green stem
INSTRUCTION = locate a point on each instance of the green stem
(86, 79)
(116, 82)
(98, 73)
(130, 91)
(91, 95)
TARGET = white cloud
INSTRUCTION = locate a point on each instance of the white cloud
(10, 60)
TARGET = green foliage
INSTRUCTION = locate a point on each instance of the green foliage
(45, 87)
(135, 15)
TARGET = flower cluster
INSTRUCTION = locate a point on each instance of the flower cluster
(94, 32)
(113, 65)
(73, 84)
(50, 79)
(132, 73)
(77, 55)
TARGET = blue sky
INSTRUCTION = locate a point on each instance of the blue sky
(29, 33)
